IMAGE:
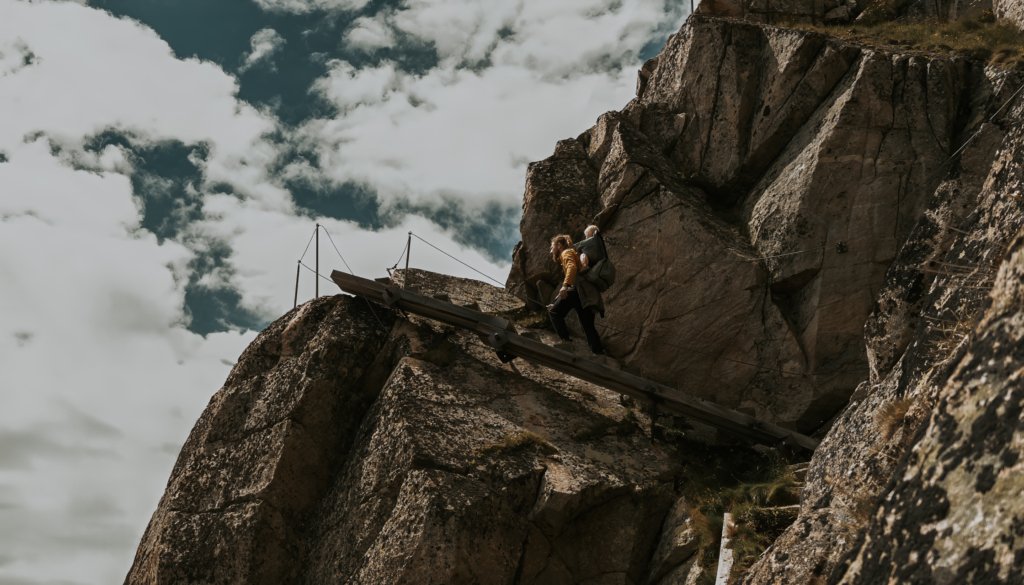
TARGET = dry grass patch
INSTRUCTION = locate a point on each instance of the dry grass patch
(764, 482)
(981, 39)
(949, 334)
(891, 415)
(516, 441)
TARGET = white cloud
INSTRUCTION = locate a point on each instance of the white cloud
(370, 33)
(541, 71)
(263, 44)
(115, 73)
(552, 38)
(348, 87)
(460, 30)
(305, 6)
(14, 55)
(98, 373)
(558, 38)
(35, 186)
(452, 132)
(264, 268)
(101, 380)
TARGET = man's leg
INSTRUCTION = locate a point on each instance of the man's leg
(558, 312)
(587, 321)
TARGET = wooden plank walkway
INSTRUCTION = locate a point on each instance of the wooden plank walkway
(499, 334)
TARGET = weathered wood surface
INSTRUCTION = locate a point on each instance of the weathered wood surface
(499, 334)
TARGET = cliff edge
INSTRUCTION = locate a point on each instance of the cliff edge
(352, 445)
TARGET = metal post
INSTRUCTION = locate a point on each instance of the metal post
(298, 267)
(317, 279)
(408, 250)
(725, 551)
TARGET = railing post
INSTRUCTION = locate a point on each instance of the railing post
(317, 279)
(408, 250)
(298, 267)
(725, 551)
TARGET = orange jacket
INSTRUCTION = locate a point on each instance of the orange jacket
(570, 265)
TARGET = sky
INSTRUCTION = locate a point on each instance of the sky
(162, 166)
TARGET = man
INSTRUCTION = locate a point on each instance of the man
(569, 295)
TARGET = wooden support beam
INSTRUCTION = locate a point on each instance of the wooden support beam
(499, 334)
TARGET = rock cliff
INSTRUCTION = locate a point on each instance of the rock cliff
(847, 11)
(767, 178)
(350, 445)
(932, 320)
(823, 234)
(823, 218)
(1010, 11)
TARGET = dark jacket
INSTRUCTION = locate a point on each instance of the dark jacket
(590, 297)
(592, 247)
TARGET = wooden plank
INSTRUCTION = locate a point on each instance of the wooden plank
(499, 334)
(668, 398)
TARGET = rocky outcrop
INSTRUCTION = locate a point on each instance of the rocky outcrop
(952, 514)
(766, 179)
(1010, 11)
(262, 455)
(847, 11)
(779, 11)
(359, 447)
(874, 194)
(925, 323)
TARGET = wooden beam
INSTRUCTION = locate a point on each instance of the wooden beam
(499, 334)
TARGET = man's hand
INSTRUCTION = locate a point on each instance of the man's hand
(563, 293)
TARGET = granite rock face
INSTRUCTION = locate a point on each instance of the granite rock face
(261, 456)
(1009, 10)
(845, 11)
(768, 11)
(875, 197)
(350, 446)
(766, 180)
(932, 322)
(952, 513)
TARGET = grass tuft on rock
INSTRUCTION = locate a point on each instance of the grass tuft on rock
(748, 485)
(516, 441)
(983, 39)
(891, 415)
